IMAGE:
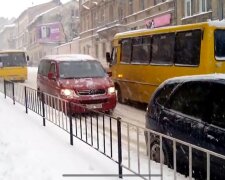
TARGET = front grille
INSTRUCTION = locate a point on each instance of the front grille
(91, 92)
(94, 101)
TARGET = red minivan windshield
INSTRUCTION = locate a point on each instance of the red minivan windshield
(81, 69)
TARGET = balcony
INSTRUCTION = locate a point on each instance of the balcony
(88, 4)
(109, 31)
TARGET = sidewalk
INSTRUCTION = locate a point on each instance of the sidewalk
(29, 151)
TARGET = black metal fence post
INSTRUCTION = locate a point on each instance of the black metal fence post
(43, 107)
(5, 88)
(25, 97)
(71, 124)
(119, 147)
(13, 93)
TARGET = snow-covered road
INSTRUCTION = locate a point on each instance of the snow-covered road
(30, 151)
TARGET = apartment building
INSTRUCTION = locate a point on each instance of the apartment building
(21, 37)
(6, 36)
(52, 28)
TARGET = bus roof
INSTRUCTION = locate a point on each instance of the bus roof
(68, 57)
(141, 32)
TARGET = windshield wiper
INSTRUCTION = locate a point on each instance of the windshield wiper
(70, 77)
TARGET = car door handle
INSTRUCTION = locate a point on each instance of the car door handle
(165, 119)
(210, 137)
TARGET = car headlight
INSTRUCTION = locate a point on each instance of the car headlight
(68, 93)
(111, 90)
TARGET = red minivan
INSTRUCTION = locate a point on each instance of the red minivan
(78, 78)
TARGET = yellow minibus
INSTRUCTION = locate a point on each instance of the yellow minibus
(13, 65)
(142, 59)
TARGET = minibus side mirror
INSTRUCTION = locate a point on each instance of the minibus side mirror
(51, 76)
(109, 73)
(28, 58)
(108, 58)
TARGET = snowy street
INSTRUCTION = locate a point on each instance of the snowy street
(30, 151)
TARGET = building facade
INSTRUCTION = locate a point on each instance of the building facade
(52, 28)
(45, 32)
(193, 11)
(21, 36)
(6, 36)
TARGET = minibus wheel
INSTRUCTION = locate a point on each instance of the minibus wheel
(119, 95)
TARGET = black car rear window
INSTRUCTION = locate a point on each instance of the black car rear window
(192, 98)
(81, 69)
(218, 105)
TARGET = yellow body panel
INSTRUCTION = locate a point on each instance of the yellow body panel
(14, 73)
(137, 82)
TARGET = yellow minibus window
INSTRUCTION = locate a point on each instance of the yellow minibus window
(188, 45)
(141, 50)
(220, 44)
(163, 49)
(126, 51)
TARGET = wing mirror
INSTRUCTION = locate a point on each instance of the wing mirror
(108, 58)
(51, 76)
(109, 73)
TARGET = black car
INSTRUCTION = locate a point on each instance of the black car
(191, 109)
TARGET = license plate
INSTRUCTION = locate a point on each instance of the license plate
(94, 106)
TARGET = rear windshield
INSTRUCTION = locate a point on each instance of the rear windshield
(81, 69)
(13, 59)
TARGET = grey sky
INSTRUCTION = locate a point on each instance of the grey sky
(13, 8)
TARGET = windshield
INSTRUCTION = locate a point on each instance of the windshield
(220, 44)
(81, 69)
(13, 59)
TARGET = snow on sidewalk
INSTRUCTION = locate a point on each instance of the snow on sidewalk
(29, 151)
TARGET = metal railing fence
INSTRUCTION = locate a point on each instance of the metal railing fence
(129, 145)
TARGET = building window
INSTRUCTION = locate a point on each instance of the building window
(102, 15)
(130, 6)
(142, 4)
(202, 5)
(188, 9)
(104, 48)
(111, 13)
(88, 22)
(96, 51)
(72, 13)
(220, 9)
(158, 1)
